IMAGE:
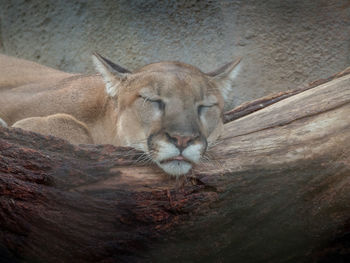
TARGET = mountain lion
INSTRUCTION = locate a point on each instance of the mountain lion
(170, 110)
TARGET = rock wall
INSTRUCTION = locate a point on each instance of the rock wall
(283, 43)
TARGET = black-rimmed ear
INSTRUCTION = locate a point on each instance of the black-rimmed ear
(112, 73)
(224, 76)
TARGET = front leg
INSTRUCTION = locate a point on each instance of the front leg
(60, 125)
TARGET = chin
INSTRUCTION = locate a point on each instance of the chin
(175, 167)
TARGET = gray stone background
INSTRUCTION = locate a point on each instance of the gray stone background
(284, 43)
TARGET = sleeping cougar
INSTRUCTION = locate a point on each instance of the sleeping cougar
(170, 110)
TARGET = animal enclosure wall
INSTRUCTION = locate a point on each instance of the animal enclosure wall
(283, 43)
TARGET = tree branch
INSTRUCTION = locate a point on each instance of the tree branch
(277, 189)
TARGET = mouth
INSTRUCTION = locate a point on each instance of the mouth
(178, 158)
(176, 166)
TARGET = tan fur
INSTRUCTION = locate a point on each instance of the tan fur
(170, 110)
(59, 125)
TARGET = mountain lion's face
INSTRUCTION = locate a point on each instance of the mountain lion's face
(171, 111)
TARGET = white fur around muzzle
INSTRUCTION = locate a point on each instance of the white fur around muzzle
(3, 123)
(167, 150)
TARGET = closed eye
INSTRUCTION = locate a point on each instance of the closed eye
(202, 108)
(158, 102)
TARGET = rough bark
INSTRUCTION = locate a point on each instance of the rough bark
(276, 189)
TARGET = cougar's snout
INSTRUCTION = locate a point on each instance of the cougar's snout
(176, 152)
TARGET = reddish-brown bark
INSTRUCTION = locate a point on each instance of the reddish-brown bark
(277, 190)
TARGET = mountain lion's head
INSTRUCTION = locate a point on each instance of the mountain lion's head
(170, 110)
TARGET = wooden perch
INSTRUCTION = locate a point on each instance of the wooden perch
(276, 190)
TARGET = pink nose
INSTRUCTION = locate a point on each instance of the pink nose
(181, 141)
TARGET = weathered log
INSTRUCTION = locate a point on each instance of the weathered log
(276, 189)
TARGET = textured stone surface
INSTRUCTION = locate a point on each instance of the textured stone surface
(283, 43)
